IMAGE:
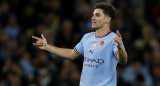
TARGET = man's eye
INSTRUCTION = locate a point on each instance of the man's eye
(97, 15)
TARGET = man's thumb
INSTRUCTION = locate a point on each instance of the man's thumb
(117, 32)
(42, 36)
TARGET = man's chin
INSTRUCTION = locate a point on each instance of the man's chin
(94, 28)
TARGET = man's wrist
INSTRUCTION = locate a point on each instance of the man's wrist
(46, 47)
(120, 46)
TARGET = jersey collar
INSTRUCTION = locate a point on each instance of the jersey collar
(103, 35)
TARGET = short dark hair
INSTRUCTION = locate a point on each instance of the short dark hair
(108, 9)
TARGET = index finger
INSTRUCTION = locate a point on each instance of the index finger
(36, 37)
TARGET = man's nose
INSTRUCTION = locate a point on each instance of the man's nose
(93, 18)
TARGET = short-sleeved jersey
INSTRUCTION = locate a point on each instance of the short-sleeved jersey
(99, 65)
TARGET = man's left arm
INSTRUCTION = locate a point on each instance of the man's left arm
(121, 54)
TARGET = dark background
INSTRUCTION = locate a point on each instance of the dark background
(63, 23)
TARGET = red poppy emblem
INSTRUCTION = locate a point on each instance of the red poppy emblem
(101, 43)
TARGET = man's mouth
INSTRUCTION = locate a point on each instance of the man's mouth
(94, 22)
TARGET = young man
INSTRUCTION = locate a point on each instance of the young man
(102, 49)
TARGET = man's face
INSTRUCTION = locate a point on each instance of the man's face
(98, 19)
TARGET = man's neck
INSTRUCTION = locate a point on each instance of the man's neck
(102, 31)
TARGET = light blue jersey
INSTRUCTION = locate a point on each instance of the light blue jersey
(99, 65)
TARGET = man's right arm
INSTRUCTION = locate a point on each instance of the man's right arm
(62, 52)
(41, 43)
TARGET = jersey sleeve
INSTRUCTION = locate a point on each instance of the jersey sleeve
(79, 47)
(115, 49)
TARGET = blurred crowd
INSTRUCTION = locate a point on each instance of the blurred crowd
(63, 23)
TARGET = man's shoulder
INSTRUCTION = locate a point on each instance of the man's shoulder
(113, 35)
(89, 34)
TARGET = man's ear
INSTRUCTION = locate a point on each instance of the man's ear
(108, 19)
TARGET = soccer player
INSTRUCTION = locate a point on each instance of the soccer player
(102, 49)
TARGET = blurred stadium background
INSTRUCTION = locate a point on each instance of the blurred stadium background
(63, 23)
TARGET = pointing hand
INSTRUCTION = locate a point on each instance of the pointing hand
(41, 43)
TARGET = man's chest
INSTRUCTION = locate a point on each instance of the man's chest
(94, 47)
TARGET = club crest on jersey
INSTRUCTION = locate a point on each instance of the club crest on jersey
(93, 46)
(101, 43)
